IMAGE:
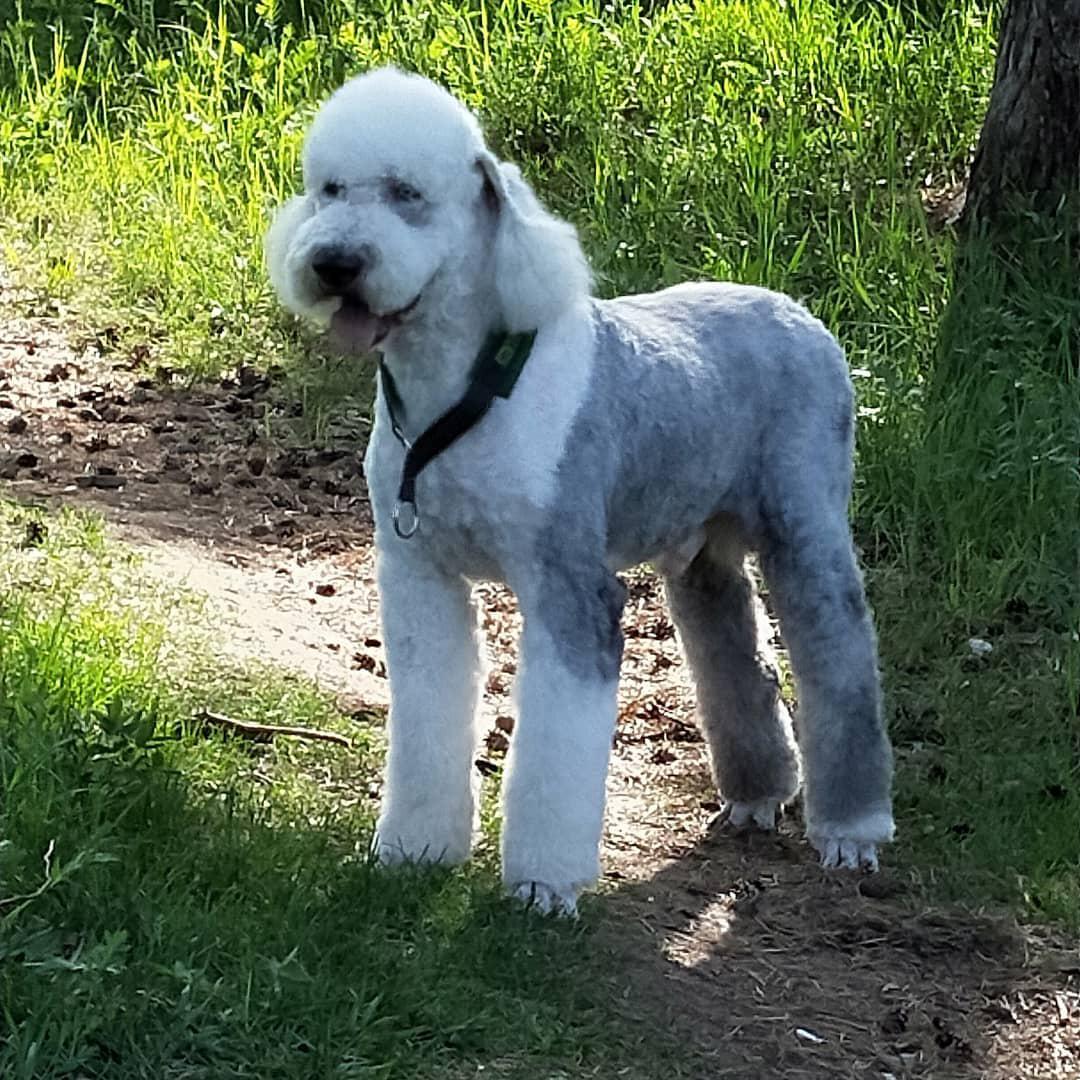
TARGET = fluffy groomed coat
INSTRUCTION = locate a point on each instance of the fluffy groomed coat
(686, 428)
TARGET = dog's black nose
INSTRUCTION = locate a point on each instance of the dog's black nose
(338, 271)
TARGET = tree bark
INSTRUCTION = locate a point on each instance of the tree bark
(1029, 149)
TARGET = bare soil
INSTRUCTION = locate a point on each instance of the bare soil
(762, 963)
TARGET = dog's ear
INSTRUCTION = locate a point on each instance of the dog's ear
(539, 267)
(287, 219)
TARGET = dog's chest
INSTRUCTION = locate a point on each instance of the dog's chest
(478, 509)
(474, 523)
(483, 499)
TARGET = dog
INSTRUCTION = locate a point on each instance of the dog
(529, 433)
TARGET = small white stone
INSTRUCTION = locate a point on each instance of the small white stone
(979, 647)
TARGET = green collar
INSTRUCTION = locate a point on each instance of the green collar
(501, 359)
(495, 370)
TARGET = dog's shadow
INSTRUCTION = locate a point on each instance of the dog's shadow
(763, 964)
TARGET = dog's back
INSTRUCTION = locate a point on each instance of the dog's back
(698, 394)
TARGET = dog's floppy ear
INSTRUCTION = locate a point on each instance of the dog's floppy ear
(539, 267)
(286, 220)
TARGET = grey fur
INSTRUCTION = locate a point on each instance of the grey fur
(415, 212)
(722, 407)
(732, 408)
(724, 635)
(581, 606)
(830, 639)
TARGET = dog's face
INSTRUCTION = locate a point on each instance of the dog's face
(393, 209)
(406, 215)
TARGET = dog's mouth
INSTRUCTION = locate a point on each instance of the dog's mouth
(356, 328)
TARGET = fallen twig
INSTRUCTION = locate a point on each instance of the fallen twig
(1063, 1010)
(267, 732)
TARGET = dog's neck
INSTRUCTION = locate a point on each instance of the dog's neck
(431, 361)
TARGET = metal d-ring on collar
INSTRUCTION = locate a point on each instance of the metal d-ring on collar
(494, 373)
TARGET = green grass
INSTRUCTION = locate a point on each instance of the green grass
(141, 148)
(992, 784)
(779, 145)
(173, 905)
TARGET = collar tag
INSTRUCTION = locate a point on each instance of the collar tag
(406, 518)
(505, 366)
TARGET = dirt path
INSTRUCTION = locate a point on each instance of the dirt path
(766, 965)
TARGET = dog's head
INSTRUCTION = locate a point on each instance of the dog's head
(405, 212)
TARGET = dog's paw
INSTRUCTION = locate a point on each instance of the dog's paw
(761, 812)
(545, 899)
(846, 854)
(853, 847)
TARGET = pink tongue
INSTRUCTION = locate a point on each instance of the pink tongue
(356, 329)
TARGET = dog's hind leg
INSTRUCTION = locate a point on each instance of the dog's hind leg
(724, 634)
(432, 651)
(809, 564)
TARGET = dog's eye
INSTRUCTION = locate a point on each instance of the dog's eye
(402, 192)
(332, 189)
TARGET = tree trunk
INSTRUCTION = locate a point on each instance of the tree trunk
(1030, 143)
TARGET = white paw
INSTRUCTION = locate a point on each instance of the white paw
(853, 844)
(761, 812)
(849, 854)
(545, 899)
(396, 852)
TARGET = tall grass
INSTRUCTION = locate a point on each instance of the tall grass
(142, 146)
(715, 140)
(777, 144)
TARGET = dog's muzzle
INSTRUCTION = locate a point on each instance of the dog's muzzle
(355, 327)
(339, 274)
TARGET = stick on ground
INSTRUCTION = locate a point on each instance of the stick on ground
(266, 732)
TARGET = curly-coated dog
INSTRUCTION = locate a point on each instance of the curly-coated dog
(529, 433)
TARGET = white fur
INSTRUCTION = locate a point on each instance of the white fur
(553, 793)
(517, 448)
(526, 439)
(429, 798)
(539, 266)
(761, 813)
(282, 262)
(852, 844)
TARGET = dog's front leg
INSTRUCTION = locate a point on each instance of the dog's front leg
(429, 628)
(553, 794)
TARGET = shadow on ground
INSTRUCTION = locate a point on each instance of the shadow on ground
(767, 966)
